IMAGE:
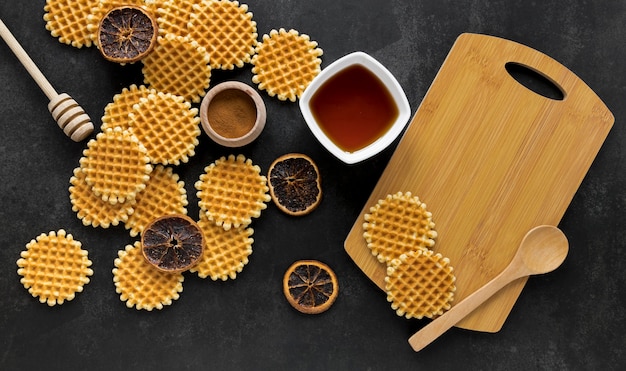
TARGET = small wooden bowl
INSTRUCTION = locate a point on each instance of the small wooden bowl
(255, 101)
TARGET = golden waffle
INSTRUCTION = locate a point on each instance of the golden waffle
(116, 165)
(173, 16)
(68, 20)
(397, 224)
(93, 210)
(164, 194)
(140, 284)
(225, 253)
(226, 30)
(420, 284)
(167, 126)
(54, 267)
(101, 7)
(178, 65)
(116, 112)
(285, 63)
(232, 191)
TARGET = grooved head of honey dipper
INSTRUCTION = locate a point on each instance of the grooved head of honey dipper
(70, 117)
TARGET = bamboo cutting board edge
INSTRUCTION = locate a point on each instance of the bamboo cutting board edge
(392, 180)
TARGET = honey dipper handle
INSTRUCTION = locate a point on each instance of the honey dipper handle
(71, 118)
(27, 62)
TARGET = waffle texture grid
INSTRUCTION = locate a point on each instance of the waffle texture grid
(226, 252)
(420, 284)
(68, 20)
(116, 112)
(54, 267)
(178, 65)
(93, 210)
(142, 286)
(285, 63)
(397, 224)
(116, 165)
(226, 30)
(165, 194)
(167, 126)
(232, 191)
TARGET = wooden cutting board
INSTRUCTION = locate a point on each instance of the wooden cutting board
(491, 159)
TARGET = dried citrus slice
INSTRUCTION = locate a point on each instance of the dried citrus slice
(310, 286)
(294, 183)
(127, 34)
(172, 243)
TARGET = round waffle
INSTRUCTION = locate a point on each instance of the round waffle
(178, 65)
(173, 16)
(225, 253)
(397, 224)
(164, 194)
(116, 112)
(167, 126)
(285, 63)
(226, 30)
(93, 210)
(68, 20)
(232, 191)
(420, 284)
(54, 267)
(140, 284)
(116, 165)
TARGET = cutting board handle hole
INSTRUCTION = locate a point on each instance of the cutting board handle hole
(534, 81)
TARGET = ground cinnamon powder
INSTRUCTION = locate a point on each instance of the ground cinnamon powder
(231, 113)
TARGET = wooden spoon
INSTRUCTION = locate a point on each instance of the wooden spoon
(542, 250)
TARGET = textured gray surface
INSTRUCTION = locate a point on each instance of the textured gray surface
(570, 319)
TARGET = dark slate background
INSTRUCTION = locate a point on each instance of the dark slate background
(571, 319)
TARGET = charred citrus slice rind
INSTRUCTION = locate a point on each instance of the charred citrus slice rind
(294, 183)
(127, 34)
(172, 243)
(310, 286)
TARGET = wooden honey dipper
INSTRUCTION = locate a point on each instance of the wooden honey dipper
(71, 118)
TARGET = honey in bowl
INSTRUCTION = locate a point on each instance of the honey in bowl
(353, 108)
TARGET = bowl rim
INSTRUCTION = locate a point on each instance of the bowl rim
(392, 85)
(259, 123)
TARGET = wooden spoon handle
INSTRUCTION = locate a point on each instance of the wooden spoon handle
(443, 323)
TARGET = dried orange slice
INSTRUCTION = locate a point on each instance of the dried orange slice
(127, 34)
(172, 243)
(294, 183)
(310, 286)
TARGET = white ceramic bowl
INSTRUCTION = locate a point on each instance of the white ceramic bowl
(389, 81)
